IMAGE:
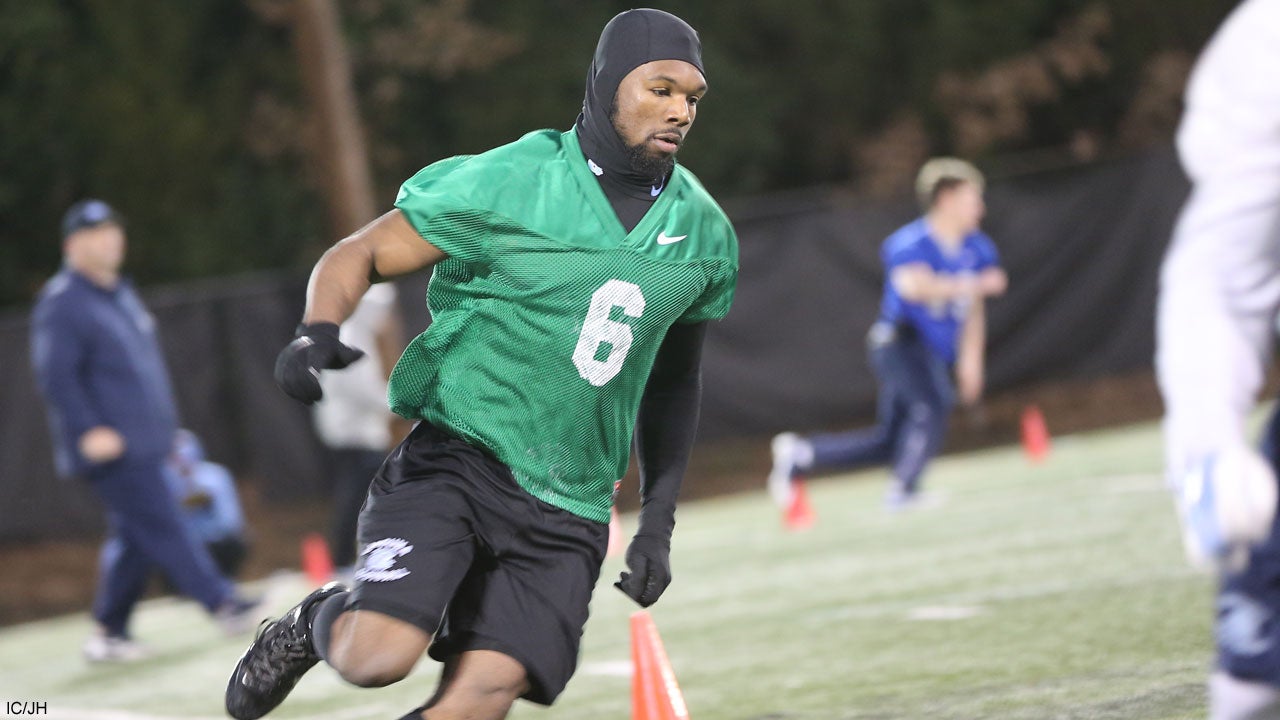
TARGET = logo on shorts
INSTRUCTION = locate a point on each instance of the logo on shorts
(380, 560)
(1243, 625)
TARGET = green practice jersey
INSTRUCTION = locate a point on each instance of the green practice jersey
(547, 314)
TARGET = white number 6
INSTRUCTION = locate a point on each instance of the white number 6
(598, 328)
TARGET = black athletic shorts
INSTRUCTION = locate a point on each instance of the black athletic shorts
(450, 543)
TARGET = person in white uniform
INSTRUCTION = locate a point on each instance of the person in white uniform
(1216, 313)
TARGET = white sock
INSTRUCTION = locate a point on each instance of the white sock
(1231, 698)
(803, 454)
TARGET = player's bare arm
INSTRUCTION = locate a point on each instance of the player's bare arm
(992, 282)
(385, 248)
(970, 360)
(918, 283)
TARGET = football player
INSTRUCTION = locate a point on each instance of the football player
(940, 269)
(574, 275)
(1219, 294)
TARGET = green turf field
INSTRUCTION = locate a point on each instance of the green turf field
(1050, 591)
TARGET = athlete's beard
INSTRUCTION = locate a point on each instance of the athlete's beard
(647, 164)
(643, 162)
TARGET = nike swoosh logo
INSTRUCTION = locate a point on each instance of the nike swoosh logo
(665, 239)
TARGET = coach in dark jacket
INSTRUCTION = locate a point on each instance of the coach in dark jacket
(113, 418)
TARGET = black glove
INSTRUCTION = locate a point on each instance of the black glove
(316, 347)
(649, 560)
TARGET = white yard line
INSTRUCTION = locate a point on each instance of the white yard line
(608, 668)
(1133, 483)
(943, 612)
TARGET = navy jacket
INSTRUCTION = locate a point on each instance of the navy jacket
(97, 360)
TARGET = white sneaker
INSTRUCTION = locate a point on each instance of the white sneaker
(102, 648)
(786, 448)
(897, 499)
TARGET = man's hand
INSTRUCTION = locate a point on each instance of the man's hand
(315, 348)
(649, 560)
(993, 281)
(101, 444)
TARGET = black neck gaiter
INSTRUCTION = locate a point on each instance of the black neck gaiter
(628, 41)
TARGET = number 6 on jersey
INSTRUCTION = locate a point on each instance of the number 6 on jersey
(598, 328)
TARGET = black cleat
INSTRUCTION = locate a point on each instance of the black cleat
(282, 653)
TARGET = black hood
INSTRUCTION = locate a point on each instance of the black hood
(630, 40)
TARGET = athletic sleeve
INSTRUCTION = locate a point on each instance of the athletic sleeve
(896, 254)
(1219, 294)
(59, 352)
(440, 203)
(988, 255)
(715, 301)
(717, 298)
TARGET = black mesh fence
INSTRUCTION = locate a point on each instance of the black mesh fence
(1082, 247)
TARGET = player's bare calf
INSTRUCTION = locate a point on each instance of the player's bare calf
(370, 649)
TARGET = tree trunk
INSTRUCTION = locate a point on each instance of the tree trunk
(339, 145)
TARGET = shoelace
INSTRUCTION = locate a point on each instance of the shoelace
(279, 652)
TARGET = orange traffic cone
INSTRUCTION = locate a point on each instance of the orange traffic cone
(316, 561)
(1035, 434)
(655, 695)
(799, 514)
(615, 535)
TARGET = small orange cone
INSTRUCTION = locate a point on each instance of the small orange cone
(1035, 434)
(800, 514)
(316, 561)
(655, 695)
(615, 535)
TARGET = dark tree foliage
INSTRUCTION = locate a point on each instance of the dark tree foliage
(187, 115)
(143, 104)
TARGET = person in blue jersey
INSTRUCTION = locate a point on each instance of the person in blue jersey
(939, 268)
(112, 419)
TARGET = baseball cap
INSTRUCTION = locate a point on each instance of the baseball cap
(87, 214)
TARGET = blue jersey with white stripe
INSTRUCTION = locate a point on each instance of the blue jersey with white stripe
(938, 323)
